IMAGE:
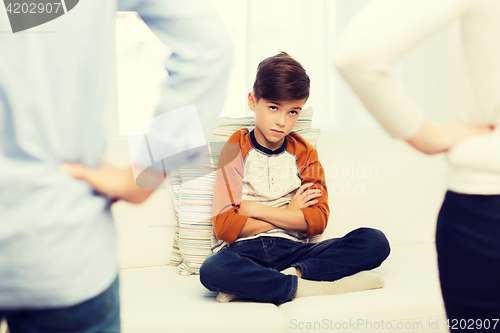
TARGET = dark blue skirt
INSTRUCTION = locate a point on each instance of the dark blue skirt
(468, 247)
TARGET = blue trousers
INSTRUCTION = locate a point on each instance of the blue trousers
(251, 268)
(100, 314)
(468, 248)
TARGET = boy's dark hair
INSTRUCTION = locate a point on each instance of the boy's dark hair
(281, 78)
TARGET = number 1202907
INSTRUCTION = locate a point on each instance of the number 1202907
(33, 8)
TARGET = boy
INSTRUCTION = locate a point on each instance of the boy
(270, 196)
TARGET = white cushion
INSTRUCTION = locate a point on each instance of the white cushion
(393, 187)
(145, 231)
(158, 300)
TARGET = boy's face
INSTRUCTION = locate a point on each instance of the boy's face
(274, 119)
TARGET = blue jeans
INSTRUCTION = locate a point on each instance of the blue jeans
(251, 268)
(100, 314)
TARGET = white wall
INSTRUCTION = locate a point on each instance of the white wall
(307, 30)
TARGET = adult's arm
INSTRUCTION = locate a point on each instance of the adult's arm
(198, 71)
(383, 32)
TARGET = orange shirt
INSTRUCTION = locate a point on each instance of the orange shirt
(249, 171)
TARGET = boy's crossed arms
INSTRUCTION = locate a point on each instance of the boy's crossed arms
(262, 218)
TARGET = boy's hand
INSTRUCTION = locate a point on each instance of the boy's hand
(110, 181)
(304, 198)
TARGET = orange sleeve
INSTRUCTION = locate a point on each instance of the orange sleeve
(317, 214)
(227, 221)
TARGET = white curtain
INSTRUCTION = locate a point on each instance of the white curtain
(308, 30)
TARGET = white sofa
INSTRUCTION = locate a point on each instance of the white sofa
(373, 181)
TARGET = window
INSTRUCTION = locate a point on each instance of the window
(305, 29)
